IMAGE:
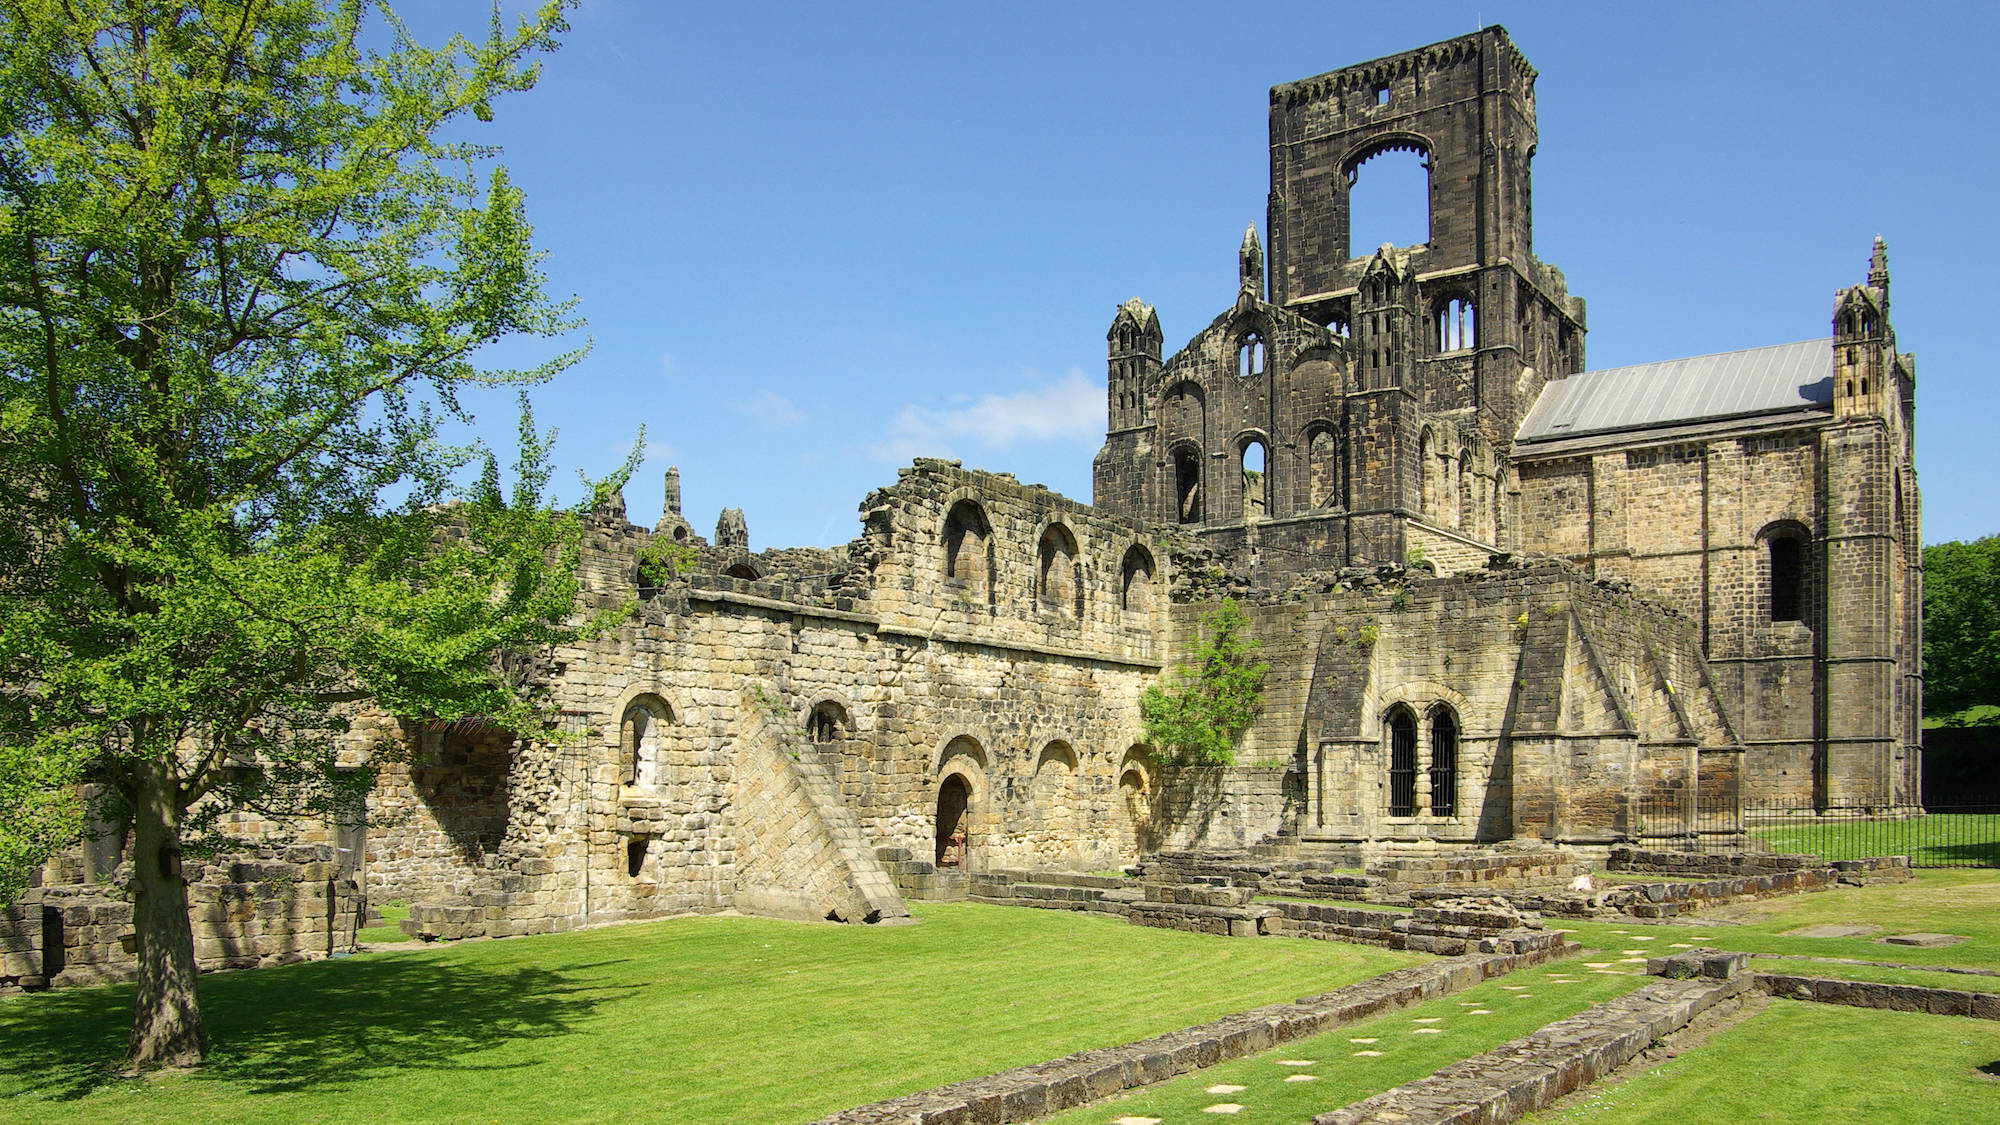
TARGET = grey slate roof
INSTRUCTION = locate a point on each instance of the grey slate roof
(1781, 378)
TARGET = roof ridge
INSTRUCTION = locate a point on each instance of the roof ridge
(1702, 355)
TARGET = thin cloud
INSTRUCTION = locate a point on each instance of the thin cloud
(770, 408)
(1071, 409)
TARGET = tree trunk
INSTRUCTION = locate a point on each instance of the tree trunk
(166, 1019)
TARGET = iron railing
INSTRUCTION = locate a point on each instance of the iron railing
(1936, 836)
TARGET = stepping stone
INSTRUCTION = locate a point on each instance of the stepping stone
(1136, 1121)
(1633, 952)
(1428, 1031)
(1513, 987)
(1832, 931)
(1364, 1040)
(1925, 941)
(1480, 1012)
(1680, 945)
(1641, 937)
(1223, 1107)
(1301, 1077)
(1367, 1054)
(1599, 964)
(1428, 1019)
(1226, 1088)
(1524, 996)
(1296, 1062)
(1612, 972)
(1631, 960)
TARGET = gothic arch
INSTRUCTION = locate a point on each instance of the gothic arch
(1135, 580)
(1059, 571)
(967, 537)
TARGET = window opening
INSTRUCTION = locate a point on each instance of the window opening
(968, 558)
(1061, 579)
(1136, 585)
(635, 857)
(827, 723)
(1787, 579)
(1250, 356)
(1187, 485)
(1389, 201)
(1457, 325)
(952, 836)
(1402, 764)
(1444, 763)
(1256, 482)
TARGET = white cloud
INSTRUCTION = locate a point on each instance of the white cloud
(1070, 409)
(770, 408)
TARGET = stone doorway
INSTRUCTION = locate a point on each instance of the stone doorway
(953, 797)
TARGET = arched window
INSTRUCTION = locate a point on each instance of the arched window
(744, 571)
(1457, 325)
(1389, 199)
(1256, 482)
(1135, 587)
(1462, 502)
(1250, 355)
(1444, 762)
(642, 740)
(827, 723)
(968, 551)
(1060, 582)
(1788, 577)
(1402, 730)
(1187, 485)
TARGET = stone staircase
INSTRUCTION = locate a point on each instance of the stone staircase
(1047, 890)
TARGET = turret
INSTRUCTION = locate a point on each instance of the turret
(1861, 342)
(1133, 366)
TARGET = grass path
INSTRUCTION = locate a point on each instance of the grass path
(691, 1019)
(1353, 1062)
(1798, 1063)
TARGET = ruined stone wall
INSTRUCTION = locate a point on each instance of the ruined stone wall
(986, 631)
(259, 906)
(1694, 521)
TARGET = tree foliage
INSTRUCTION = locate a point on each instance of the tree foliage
(1198, 718)
(1961, 625)
(245, 272)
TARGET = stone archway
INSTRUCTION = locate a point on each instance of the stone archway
(953, 825)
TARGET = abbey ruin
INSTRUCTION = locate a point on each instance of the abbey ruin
(1504, 596)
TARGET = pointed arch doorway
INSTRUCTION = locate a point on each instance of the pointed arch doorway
(954, 795)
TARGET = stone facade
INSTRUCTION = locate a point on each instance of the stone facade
(1479, 628)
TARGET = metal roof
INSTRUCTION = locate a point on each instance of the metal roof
(1779, 378)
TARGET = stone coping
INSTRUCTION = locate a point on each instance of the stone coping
(1028, 1092)
(1888, 997)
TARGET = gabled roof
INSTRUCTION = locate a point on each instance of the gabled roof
(1782, 378)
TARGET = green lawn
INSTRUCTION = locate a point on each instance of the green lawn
(1408, 1045)
(1950, 902)
(391, 930)
(692, 1019)
(1812, 1063)
(1929, 840)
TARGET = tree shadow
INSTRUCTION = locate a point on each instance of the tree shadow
(323, 1026)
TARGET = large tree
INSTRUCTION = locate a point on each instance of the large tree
(1961, 625)
(248, 261)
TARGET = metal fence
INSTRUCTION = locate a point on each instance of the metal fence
(1937, 836)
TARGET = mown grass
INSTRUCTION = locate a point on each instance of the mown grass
(1934, 839)
(1467, 1023)
(1796, 1062)
(1951, 902)
(692, 1019)
(391, 929)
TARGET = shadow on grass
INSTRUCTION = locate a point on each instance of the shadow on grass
(324, 1026)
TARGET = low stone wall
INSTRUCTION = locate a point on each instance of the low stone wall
(261, 907)
(1028, 1092)
(1654, 862)
(1483, 872)
(1449, 928)
(1527, 1074)
(1891, 997)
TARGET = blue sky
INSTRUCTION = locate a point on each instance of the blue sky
(815, 241)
